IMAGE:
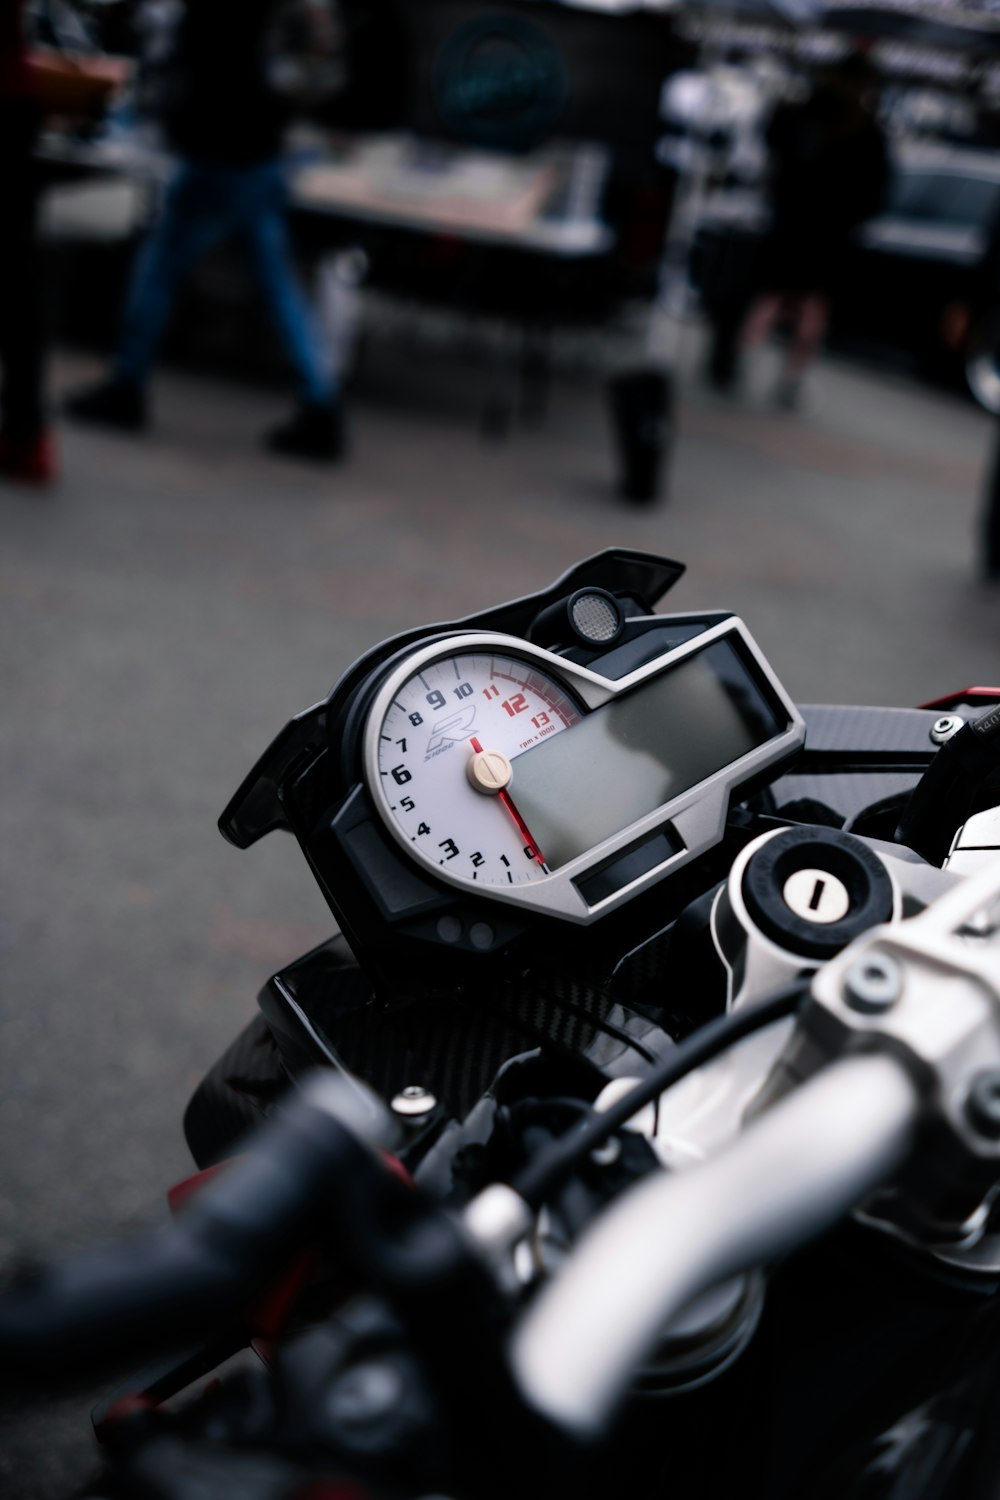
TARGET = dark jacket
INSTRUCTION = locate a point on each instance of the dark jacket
(219, 103)
(829, 165)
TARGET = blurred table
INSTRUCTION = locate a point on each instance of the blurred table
(547, 202)
(517, 240)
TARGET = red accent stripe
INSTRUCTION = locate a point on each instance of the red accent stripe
(182, 1191)
(955, 700)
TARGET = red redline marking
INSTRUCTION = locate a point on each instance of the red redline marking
(566, 711)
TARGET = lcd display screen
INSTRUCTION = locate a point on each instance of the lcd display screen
(640, 751)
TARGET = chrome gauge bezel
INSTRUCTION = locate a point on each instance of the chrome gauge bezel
(696, 817)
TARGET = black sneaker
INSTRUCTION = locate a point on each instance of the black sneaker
(316, 432)
(113, 403)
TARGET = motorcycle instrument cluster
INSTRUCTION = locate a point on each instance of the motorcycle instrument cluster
(501, 767)
(499, 783)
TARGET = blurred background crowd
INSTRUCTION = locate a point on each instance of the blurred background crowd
(243, 187)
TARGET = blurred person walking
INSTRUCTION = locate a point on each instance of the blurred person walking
(27, 446)
(828, 173)
(225, 118)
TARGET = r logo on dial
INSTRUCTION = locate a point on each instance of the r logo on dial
(448, 746)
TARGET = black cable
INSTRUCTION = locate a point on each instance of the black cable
(539, 1178)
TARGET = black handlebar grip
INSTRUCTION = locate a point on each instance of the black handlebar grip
(194, 1277)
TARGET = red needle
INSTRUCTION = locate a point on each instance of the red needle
(508, 802)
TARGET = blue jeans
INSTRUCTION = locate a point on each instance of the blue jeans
(205, 203)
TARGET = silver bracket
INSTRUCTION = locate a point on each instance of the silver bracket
(927, 990)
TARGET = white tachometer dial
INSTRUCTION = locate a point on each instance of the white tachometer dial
(446, 759)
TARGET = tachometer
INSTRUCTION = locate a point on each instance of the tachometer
(445, 758)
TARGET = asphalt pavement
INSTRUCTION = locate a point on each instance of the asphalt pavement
(176, 597)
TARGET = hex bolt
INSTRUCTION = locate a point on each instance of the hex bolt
(873, 984)
(413, 1102)
(982, 1107)
(944, 728)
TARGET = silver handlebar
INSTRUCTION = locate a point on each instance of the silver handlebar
(794, 1172)
(904, 1024)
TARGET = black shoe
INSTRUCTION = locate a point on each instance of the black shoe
(315, 432)
(112, 403)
